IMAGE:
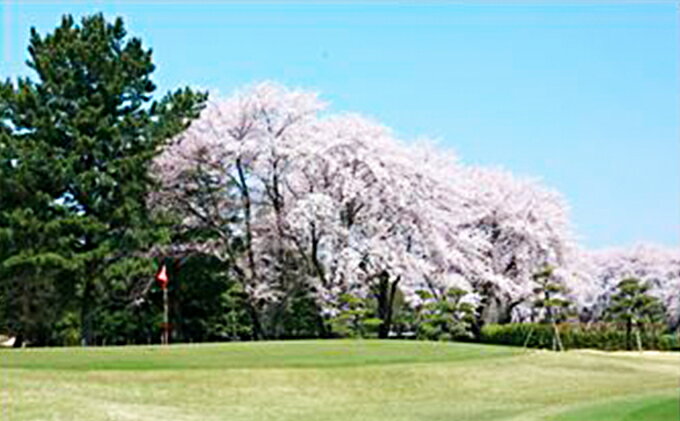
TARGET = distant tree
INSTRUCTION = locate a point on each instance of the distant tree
(655, 266)
(632, 305)
(294, 199)
(207, 304)
(88, 126)
(356, 317)
(550, 298)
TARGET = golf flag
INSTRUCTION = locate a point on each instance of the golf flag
(162, 277)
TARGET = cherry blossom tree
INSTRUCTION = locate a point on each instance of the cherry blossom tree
(379, 213)
(335, 203)
(656, 266)
(226, 177)
(295, 199)
(519, 227)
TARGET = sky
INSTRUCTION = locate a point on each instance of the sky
(583, 96)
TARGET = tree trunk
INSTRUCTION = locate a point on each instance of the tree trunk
(18, 340)
(481, 315)
(383, 293)
(24, 315)
(638, 339)
(245, 197)
(386, 293)
(557, 340)
(255, 319)
(247, 216)
(85, 314)
(321, 326)
(495, 310)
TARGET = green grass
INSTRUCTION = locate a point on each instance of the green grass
(336, 380)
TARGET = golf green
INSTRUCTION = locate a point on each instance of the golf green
(336, 380)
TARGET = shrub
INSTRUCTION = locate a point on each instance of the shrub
(446, 317)
(355, 319)
(604, 336)
(669, 342)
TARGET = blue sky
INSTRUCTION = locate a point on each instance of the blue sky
(582, 96)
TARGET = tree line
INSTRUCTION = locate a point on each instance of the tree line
(273, 217)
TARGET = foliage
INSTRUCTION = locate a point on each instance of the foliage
(230, 321)
(291, 197)
(655, 266)
(75, 149)
(356, 317)
(520, 227)
(550, 296)
(632, 305)
(289, 221)
(205, 303)
(549, 299)
(669, 342)
(302, 317)
(446, 317)
(604, 336)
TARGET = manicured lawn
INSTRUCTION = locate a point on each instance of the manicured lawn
(336, 380)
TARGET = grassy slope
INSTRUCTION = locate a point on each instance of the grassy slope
(335, 380)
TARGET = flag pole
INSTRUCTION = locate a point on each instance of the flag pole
(166, 318)
(162, 278)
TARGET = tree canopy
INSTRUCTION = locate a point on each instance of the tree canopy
(75, 151)
(274, 216)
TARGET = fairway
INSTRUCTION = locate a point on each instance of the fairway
(336, 380)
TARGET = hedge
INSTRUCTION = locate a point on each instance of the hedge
(604, 336)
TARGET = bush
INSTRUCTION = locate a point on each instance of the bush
(446, 317)
(68, 330)
(356, 318)
(669, 342)
(604, 336)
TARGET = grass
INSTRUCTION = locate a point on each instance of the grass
(336, 380)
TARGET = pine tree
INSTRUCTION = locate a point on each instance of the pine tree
(86, 132)
(445, 317)
(632, 305)
(32, 252)
(550, 297)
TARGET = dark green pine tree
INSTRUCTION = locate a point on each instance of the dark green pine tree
(30, 223)
(91, 120)
(632, 305)
(550, 297)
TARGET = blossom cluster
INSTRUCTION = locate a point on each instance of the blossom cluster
(335, 200)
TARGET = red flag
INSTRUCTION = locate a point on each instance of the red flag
(162, 277)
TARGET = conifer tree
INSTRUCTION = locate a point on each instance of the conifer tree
(550, 297)
(85, 132)
(632, 305)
